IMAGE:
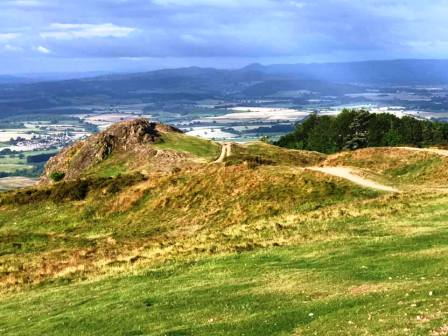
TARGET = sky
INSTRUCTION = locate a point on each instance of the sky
(44, 36)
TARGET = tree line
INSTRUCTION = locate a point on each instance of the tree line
(353, 129)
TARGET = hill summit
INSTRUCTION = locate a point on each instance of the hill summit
(133, 138)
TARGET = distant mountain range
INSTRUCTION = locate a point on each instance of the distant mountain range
(403, 72)
(193, 84)
(364, 72)
(43, 77)
(7, 79)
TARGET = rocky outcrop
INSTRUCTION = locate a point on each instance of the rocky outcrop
(132, 136)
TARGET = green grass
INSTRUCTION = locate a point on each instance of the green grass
(260, 153)
(151, 211)
(391, 285)
(281, 156)
(13, 164)
(111, 167)
(205, 149)
(360, 275)
(417, 172)
(227, 250)
(11, 160)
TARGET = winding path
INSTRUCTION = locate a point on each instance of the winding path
(226, 151)
(348, 174)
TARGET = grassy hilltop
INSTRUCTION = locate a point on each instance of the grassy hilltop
(155, 236)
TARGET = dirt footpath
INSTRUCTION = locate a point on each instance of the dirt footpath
(349, 174)
(226, 151)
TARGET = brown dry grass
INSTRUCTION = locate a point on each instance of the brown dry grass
(214, 209)
(377, 159)
(206, 210)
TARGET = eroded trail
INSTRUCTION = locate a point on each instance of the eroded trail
(226, 151)
(349, 174)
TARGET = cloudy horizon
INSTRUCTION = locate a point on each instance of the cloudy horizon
(38, 36)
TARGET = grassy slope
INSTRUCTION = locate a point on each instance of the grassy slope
(198, 150)
(208, 210)
(229, 251)
(113, 166)
(205, 149)
(259, 151)
(364, 283)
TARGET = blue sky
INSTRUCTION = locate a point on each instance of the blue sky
(134, 35)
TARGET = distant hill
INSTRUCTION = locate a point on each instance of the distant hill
(46, 77)
(403, 72)
(192, 84)
(5, 79)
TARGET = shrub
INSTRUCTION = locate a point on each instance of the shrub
(72, 191)
(57, 176)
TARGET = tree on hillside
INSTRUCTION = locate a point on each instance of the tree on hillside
(323, 136)
(353, 129)
(357, 136)
(410, 130)
(377, 128)
(393, 138)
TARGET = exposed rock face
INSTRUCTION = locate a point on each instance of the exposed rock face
(129, 136)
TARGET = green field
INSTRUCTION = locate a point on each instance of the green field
(12, 168)
(12, 164)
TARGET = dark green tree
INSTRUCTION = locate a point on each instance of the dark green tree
(357, 135)
(353, 129)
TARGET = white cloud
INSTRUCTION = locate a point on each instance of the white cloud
(43, 50)
(5, 37)
(12, 48)
(67, 31)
